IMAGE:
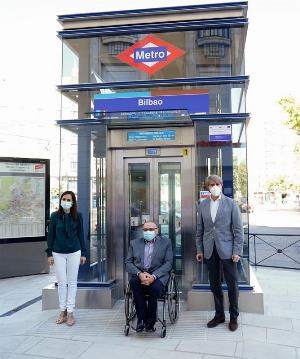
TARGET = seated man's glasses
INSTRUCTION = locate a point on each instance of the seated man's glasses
(149, 229)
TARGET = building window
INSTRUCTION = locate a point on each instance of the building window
(214, 42)
(114, 48)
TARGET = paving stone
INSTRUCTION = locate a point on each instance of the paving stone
(8, 344)
(163, 354)
(260, 320)
(21, 356)
(254, 333)
(296, 324)
(207, 347)
(283, 337)
(59, 348)
(153, 342)
(255, 350)
(215, 357)
(28, 344)
(112, 351)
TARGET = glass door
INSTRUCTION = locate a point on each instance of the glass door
(154, 194)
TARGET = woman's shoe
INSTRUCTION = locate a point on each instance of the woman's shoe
(70, 319)
(62, 317)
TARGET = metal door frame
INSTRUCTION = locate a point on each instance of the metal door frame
(119, 198)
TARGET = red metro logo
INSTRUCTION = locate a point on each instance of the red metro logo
(150, 54)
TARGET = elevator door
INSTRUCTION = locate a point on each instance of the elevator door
(154, 193)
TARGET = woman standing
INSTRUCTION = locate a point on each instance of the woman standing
(66, 249)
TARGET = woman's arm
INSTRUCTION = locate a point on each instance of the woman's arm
(51, 234)
(81, 235)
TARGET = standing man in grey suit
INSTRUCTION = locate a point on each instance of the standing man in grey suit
(148, 262)
(219, 239)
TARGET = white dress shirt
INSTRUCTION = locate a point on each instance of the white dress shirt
(214, 205)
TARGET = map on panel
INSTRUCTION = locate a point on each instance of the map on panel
(22, 204)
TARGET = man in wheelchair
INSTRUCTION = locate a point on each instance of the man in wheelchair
(148, 263)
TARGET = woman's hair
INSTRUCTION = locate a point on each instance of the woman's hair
(73, 209)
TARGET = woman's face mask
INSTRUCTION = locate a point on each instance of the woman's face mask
(66, 204)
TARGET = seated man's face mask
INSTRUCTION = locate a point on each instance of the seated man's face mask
(149, 235)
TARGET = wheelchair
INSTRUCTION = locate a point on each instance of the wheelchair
(169, 298)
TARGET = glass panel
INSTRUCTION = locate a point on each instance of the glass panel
(177, 223)
(170, 208)
(70, 63)
(95, 200)
(221, 150)
(68, 161)
(206, 52)
(98, 218)
(139, 198)
(164, 203)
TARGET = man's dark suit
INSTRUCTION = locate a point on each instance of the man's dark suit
(161, 264)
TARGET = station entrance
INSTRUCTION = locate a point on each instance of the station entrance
(154, 184)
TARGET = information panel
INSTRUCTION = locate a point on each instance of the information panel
(151, 136)
(219, 133)
(22, 205)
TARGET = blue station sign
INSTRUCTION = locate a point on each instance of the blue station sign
(193, 103)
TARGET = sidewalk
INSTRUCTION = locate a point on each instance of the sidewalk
(30, 333)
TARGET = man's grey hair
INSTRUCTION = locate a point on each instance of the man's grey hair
(213, 178)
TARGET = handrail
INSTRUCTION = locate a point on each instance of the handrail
(276, 249)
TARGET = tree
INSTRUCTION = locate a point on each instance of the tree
(279, 184)
(292, 108)
(240, 177)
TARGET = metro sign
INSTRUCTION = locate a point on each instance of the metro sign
(150, 54)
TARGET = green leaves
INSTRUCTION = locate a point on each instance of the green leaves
(292, 108)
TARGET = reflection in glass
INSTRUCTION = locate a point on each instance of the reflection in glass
(139, 208)
(98, 246)
(170, 208)
(68, 164)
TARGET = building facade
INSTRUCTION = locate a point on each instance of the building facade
(153, 101)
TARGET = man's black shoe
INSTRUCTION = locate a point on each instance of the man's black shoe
(215, 321)
(233, 324)
(140, 326)
(149, 326)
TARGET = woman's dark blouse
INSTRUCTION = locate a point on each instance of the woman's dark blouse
(65, 234)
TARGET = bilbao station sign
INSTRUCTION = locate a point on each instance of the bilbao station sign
(150, 55)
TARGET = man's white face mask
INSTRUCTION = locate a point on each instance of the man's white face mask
(216, 191)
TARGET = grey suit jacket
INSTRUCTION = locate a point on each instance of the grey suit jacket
(226, 232)
(162, 258)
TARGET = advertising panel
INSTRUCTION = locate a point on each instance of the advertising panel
(22, 205)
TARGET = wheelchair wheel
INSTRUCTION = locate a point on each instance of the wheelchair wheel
(173, 299)
(126, 330)
(163, 332)
(129, 306)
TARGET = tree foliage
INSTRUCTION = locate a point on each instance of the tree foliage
(240, 177)
(292, 108)
(279, 184)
